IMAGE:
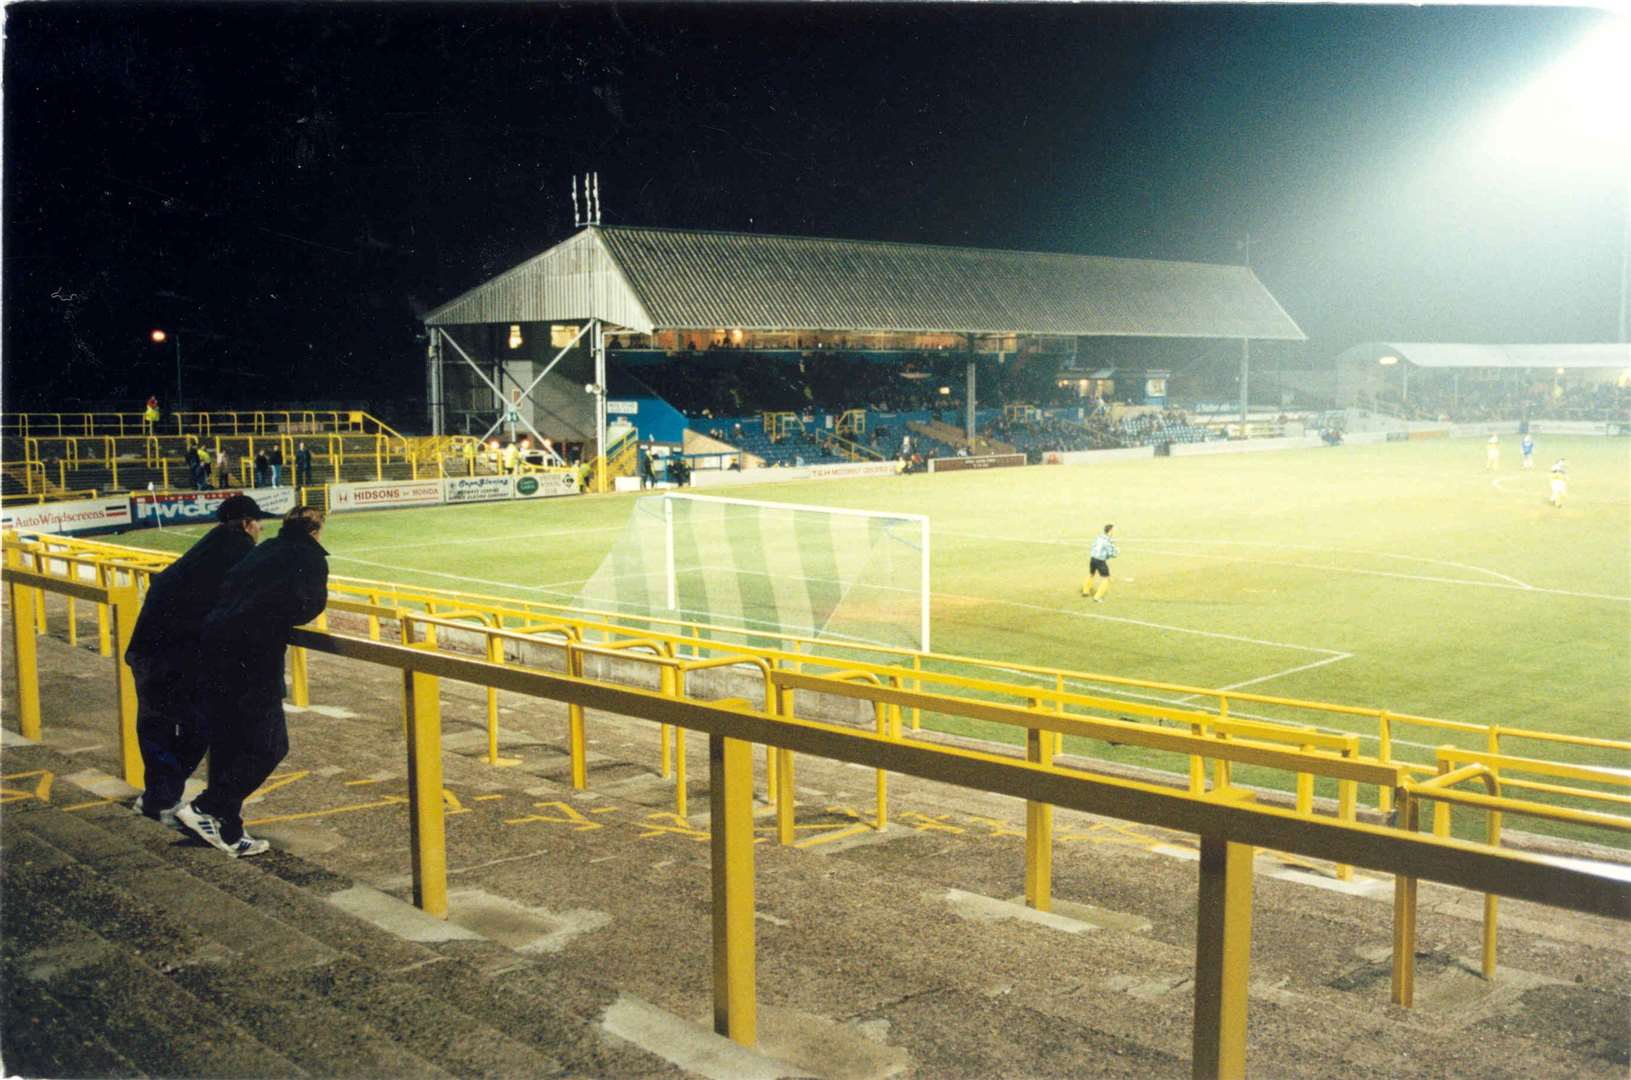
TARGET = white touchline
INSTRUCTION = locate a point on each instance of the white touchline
(488, 539)
(1517, 587)
(1273, 544)
(1140, 622)
(1275, 675)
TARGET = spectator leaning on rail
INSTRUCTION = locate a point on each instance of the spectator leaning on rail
(163, 654)
(280, 585)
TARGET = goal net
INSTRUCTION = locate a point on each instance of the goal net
(776, 568)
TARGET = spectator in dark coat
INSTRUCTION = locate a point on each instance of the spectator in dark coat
(274, 458)
(280, 585)
(302, 466)
(163, 654)
(263, 468)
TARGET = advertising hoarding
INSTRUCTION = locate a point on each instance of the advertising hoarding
(69, 518)
(344, 497)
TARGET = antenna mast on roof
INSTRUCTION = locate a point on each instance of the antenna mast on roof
(575, 221)
(597, 197)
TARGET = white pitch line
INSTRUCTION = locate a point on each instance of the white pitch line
(1519, 587)
(1140, 622)
(488, 539)
(1271, 544)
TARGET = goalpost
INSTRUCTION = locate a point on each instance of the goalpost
(768, 567)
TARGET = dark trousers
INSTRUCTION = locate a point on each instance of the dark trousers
(244, 749)
(167, 734)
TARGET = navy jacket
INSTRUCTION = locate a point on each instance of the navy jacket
(165, 640)
(278, 586)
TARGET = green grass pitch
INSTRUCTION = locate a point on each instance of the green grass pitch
(1403, 576)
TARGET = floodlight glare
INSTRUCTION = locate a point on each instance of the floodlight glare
(1387, 361)
(1578, 102)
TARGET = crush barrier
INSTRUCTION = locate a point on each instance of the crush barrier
(1229, 829)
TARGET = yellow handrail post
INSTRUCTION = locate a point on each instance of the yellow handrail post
(73, 623)
(668, 684)
(1404, 916)
(917, 713)
(123, 602)
(25, 656)
(1220, 767)
(299, 680)
(1223, 944)
(730, 798)
(495, 655)
(299, 691)
(1384, 754)
(104, 642)
(427, 828)
(1039, 829)
(785, 806)
(1305, 788)
(1493, 838)
(574, 723)
(1197, 765)
(880, 716)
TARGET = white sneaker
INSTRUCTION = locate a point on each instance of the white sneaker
(248, 845)
(208, 828)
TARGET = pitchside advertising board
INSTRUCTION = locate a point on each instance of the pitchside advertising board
(982, 461)
(197, 507)
(455, 489)
(342, 497)
(76, 518)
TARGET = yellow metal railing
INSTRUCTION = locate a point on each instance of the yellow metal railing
(1229, 826)
(239, 422)
(834, 443)
(1062, 690)
(779, 425)
(622, 458)
(73, 461)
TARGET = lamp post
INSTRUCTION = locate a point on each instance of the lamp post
(159, 337)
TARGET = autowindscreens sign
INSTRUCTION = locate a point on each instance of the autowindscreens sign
(68, 518)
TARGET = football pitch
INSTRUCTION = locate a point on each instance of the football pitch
(1403, 576)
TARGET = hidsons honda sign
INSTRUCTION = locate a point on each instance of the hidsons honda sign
(390, 493)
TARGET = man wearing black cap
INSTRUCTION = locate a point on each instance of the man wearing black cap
(280, 585)
(163, 654)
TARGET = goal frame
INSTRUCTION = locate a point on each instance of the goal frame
(670, 571)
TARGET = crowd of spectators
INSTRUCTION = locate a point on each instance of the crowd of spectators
(729, 381)
(1474, 401)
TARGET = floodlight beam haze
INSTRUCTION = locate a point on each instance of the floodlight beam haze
(1576, 114)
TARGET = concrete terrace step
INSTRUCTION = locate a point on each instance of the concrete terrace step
(105, 986)
(260, 941)
(907, 941)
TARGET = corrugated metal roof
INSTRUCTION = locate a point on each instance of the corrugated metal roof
(678, 279)
(1448, 355)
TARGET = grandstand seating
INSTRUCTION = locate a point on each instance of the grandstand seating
(798, 446)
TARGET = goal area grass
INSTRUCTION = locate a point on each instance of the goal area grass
(1404, 576)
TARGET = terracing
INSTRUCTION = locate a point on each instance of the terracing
(55, 454)
(899, 951)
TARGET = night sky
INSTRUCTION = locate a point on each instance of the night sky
(291, 186)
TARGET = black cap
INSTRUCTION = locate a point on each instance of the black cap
(241, 508)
